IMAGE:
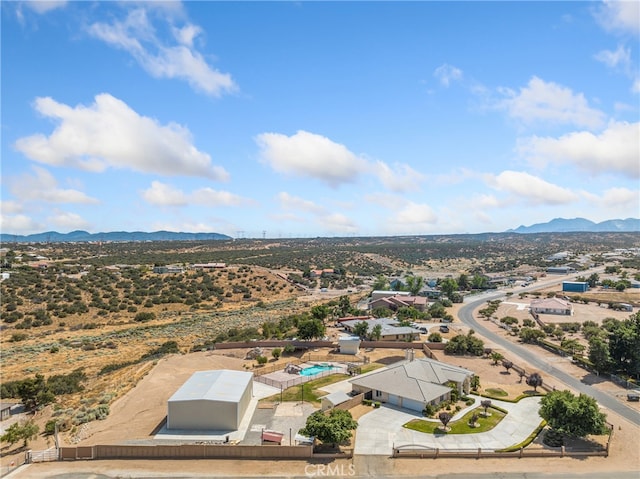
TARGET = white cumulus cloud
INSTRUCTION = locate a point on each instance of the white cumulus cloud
(42, 186)
(64, 220)
(295, 208)
(530, 188)
(621, 197)
(109, 134)
(615, 150)
(542, 101)
(290, 202)
(447, 73)
(11, 207)
(44, 6)
(309, 155)
(161, 194)
(18, 224)
(400, 178)
(619, 15)
(136, 35)
(620, 58)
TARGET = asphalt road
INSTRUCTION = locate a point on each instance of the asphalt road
(604, 399)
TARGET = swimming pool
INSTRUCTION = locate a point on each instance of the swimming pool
(316, 369)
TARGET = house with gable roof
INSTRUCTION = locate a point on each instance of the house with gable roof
(412, 384)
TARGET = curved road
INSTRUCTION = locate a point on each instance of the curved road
(603, 398)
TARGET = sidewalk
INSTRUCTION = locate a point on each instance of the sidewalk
(381, 430)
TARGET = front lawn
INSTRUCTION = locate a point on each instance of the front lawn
(461, 426)
(311, 390)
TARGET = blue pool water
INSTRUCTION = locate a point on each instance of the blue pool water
(316, 369)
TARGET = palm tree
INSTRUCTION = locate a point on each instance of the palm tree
(495, 357)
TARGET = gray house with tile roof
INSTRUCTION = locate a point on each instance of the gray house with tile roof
(414, 384)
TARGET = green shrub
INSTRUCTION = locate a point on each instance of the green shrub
(144, 317)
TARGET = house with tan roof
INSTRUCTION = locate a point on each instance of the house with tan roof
(551, 306)
(412, 384)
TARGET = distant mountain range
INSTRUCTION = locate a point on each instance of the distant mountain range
(561, 225)
(84, 236)
(558, 225)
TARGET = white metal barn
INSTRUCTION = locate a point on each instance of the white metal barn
(211, 400)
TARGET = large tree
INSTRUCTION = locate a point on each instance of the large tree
(415, 284)
(381, 283)
(361, 329)
(624, 345)
(599, 354)
(334, 428)
(376, 332)
(448, 286)
(535, 381)
(311, 329)
(576, 416)
(320, 311)
(35, 392)
(344, 307)
(21, 431)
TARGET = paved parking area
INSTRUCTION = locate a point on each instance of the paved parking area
(380, 430)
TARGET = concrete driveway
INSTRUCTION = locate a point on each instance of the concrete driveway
(381, 429)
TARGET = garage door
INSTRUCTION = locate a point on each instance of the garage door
(393, 399)
(413, 405)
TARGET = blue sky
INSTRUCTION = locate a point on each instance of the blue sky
(302, 119)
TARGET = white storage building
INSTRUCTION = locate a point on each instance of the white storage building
(211, 400)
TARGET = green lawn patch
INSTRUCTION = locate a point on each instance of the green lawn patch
(311, 390)
(370, 367)
(511, 400)
(461, 426)
(497, 392)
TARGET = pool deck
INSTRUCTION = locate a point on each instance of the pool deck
(285, 380)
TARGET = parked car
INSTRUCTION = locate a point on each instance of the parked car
(444, 328)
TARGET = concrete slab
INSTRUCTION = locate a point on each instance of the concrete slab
(381, 429)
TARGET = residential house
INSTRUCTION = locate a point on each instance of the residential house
(412, 384)
(168, 269)
(390, 329)
(396, 302)
(209, 266)
(317, 273)
(551, 306)
(385, 293)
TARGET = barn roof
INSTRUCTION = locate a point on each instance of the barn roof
(217, 385)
